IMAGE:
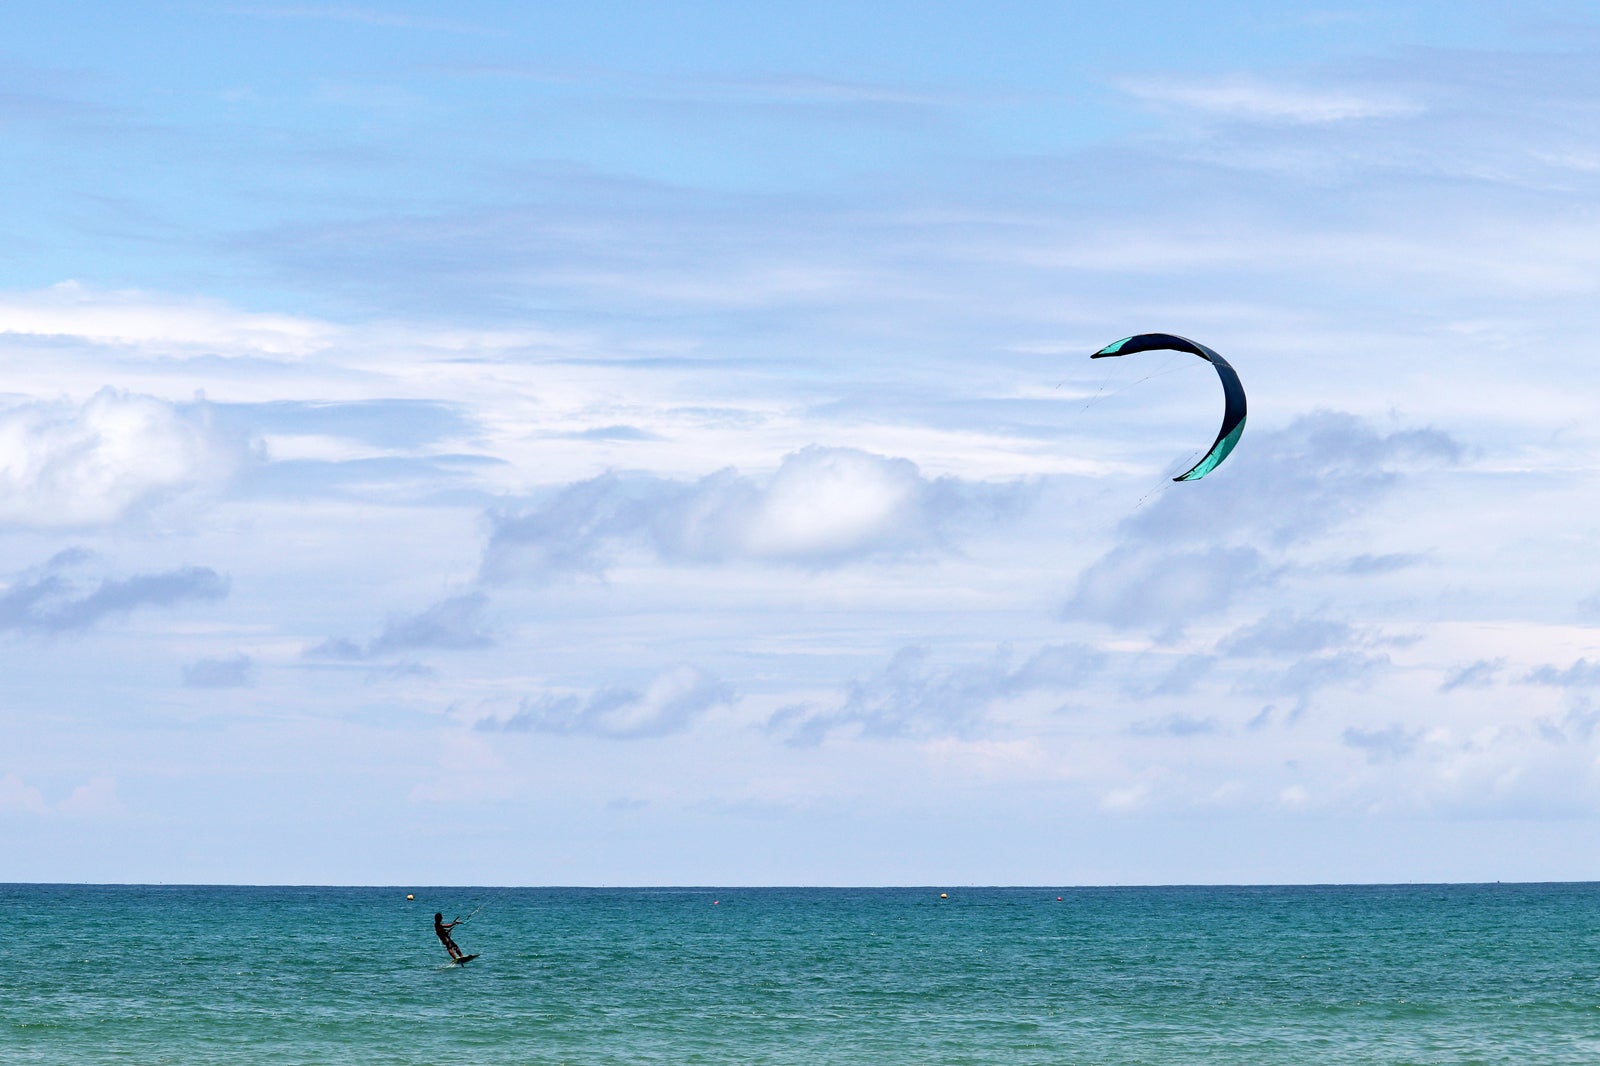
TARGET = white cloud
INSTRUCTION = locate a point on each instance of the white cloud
(996, 759)
(822, 507)
(97, 798)
(83, 465)
(1127, 798)
(16, 795)
(1254, 101)
(147, 320)
(824, 502)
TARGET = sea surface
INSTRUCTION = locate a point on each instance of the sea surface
(1303, 975)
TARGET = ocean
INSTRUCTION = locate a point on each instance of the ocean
(1001, 976)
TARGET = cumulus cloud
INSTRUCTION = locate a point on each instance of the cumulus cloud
(916, 697)
(1141, 584)
(236, 671)
(669, 704)
(1194, 551)
(1287, 486)
(55, 602)
(90, 464)
(453, 624)
(822, 507)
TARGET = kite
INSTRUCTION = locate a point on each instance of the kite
(1232, 392)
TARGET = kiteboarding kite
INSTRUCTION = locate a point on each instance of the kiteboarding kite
(1232, 392)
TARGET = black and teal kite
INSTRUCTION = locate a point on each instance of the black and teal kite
(1232, 392)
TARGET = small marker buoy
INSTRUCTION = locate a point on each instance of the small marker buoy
(944, 895)
(1058, 899)
(715, 902)
(410, 896)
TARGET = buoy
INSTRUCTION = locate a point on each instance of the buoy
(1058, 899)
(410, 896)
(715, 902)
(944, 895)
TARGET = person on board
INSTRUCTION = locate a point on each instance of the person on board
(441, 928)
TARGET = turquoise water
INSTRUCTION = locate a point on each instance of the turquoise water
(1400, 974)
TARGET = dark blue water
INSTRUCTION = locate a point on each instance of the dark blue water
(1412, 974)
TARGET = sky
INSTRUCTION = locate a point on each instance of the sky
(636, 443)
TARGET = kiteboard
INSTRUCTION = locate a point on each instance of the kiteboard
(464, 959)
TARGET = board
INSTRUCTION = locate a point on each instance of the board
(464, 958)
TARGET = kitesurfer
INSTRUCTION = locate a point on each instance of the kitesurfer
(442, 929)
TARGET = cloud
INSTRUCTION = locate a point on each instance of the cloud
(66, 465)
(1178, 680)
(452, 624)
(914, 697)
(822, 507)
(1194, 551)
(1376, 565)
(159, 323)
(1138, 584)
(234, 672)
(1578, 723)
(1175, 725)
(1382, 745)
(614, 433)
(367, 16)
(388, 479)
(1480, 674)
(1054, 666)
(382, 423)
(1287, 486)
(669, 704)
(1306, 676)
(1253, 101)
(1580, 674)
(16, 795)
(1283, 632)
(53, 603)
(95, 798)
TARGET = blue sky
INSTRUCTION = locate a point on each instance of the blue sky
(632, 443)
